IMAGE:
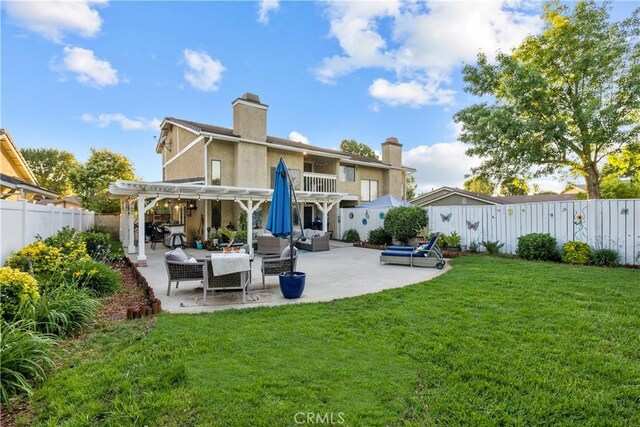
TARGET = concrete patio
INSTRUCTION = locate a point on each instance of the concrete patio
(344, 271)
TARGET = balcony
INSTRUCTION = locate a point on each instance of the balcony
(319, 182)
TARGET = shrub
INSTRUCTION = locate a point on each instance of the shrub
(576, 253)
(604, 257)
(94, 276)
(492, 248)
(26, 355)
(62, 310)
(70, 244)
(403, 223)
(16, 289)
(474, 247)
(538, 246)
(37, 259)
(379, 237)
(98, 244)
(351, 236)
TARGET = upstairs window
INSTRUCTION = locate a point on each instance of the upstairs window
(347, 174)
(368, 190)
(216, 172)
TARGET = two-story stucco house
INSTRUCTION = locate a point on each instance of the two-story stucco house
(246, 156)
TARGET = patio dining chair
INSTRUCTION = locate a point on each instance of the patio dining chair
(273, 265)
(181, 269)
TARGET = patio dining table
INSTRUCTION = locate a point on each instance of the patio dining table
(228, 271)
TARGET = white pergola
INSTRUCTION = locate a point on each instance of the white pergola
(147, 194)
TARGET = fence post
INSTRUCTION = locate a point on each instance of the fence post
(24, 222)
(51, 226)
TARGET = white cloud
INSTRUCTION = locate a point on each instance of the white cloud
(267, 6)
(104, 120)
(87, 68)
(297, 136)
(204, 72)
(440, 164)
(55, 18)
(411, 93)
(423, 44)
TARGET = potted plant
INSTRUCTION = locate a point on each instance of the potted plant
(453, 242)
(231, 235)
(423, 235)
(197, 241)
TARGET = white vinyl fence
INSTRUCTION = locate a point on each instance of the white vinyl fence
(21, 221)
(613, 224)
(362, 220)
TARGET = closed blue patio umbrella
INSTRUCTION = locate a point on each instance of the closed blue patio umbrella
(279, 219)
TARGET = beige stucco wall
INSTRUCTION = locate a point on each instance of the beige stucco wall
(393, 183)
(225, 152)
(293, 160)
(188, 165)
(363, 172)
(250, 167)
(250, 122)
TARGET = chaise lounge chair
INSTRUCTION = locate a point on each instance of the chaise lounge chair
(428, 255)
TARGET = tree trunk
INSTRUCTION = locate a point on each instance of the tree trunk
(593, 183)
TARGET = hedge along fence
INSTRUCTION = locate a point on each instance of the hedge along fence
(21, 221)
(612, 223)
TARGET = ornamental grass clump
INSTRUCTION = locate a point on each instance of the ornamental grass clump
(17, 289)
(97, 277)
(604, 258)
(26, 354)
(578, 253)
(62, 310)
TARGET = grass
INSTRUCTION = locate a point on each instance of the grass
(494, 341)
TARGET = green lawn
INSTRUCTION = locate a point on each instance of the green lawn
(494, 341)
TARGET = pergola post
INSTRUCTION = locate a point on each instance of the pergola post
(249, 209)
(131, 234)
(142, 257)
(325, 208)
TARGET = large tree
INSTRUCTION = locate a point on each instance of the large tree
(480, 184)
(411, 186)
(564, 99)
(355, 147)
(514, 186)
(52, 168)
(91, 181)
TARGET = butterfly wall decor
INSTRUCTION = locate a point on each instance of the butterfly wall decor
(473, 225)
(446, 218)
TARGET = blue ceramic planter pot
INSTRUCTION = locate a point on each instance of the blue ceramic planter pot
(292, 286)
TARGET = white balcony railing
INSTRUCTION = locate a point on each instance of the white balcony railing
(320, 182)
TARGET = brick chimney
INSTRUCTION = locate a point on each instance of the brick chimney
(250, 117)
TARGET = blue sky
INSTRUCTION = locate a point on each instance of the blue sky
(104, 74)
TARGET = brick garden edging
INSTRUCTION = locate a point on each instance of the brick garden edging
(153, 305)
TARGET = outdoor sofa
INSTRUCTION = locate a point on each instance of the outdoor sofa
(314, 241)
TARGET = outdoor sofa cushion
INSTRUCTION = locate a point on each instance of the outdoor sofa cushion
(176, 255)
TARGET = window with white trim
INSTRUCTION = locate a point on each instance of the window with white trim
(216, 172)
(368, 190)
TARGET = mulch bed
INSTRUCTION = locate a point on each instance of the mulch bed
(369, 246)
(132, 296)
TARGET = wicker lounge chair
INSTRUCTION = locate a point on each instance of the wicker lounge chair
(273, 265)
(428, 255)
(268, 244)
(314, 243)
(234, 281)
(183, 271)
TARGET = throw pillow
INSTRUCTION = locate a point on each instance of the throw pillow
(316, 234)
(286, 252)
(176, 255)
